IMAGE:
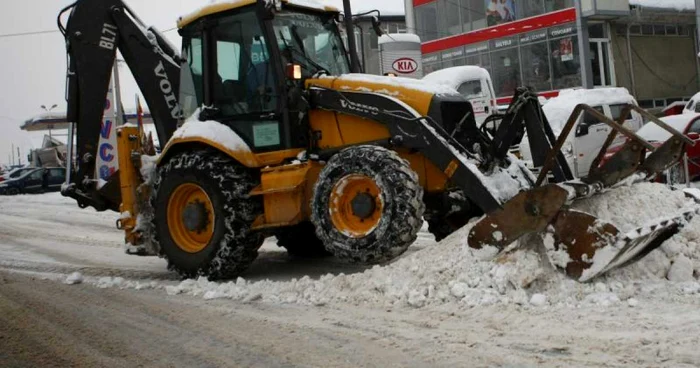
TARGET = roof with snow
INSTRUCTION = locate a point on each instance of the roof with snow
(559, 109)
(679, 5)
(456, 76)
(653, 132)
(57, 121)
(217, 6)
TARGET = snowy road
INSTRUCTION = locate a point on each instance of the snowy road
(44, 322)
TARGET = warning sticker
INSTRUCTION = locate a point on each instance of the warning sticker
(266, 134)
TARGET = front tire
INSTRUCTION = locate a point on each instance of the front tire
(367, 205)
(203, 214)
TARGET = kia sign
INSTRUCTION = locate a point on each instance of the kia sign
(405, 66)
(400, 54)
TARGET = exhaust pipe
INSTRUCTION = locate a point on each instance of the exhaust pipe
(352, 45)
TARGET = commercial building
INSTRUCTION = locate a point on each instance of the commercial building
(557, 44)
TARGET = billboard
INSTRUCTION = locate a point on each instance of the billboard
(499, 11)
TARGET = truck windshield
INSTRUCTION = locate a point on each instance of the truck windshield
(312, 41)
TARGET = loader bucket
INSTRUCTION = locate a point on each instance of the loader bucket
(594, 246)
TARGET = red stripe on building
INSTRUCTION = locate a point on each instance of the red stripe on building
(422, 2)
(503, 30)
(507, 100)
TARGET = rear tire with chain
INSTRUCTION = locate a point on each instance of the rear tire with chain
(301, 241)
(203, 214)
(367, 205)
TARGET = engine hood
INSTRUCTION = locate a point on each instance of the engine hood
(418, 94)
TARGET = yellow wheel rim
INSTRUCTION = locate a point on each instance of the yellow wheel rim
(356, 205)
(190, 218)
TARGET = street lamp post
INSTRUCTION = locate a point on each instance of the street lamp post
(48, 110)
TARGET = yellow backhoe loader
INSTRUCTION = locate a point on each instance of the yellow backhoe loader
(268, 127)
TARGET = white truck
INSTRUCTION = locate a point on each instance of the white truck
(589, 134)
(472, 82)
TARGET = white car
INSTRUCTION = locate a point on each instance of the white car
(693, 105)
(472, 82)
(588, 135)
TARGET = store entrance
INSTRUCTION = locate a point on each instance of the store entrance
(601, 62)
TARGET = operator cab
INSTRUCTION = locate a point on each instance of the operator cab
(237, 61)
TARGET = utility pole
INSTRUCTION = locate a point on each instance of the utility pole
(13, 155)
(19, 158)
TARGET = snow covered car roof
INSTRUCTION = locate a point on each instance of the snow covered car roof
(559, 109)
(456, 76)
(653, 132)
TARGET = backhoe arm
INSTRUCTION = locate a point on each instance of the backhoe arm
(95, 30)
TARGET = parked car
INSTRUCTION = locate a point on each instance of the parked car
(16, 173)
(693, 105)
(472, 82)
(589, 134)
(688, 124)
(40, 180)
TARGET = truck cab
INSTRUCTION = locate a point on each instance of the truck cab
(472, 82)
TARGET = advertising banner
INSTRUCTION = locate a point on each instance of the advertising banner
(499, 11)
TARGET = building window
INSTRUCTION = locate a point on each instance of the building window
(566, 63)
(554, 5)
(426, 22)
(449, 14)
(536, 66)
(473, 14)
(505, 63)
(499, 12)
(530, 8)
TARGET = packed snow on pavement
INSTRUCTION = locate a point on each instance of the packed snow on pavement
(49, 237)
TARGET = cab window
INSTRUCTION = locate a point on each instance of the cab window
(616, 111)
(471, 89)
(588, 121)
(243, 80)
(695, 128)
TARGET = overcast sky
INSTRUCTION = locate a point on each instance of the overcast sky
(32, 67)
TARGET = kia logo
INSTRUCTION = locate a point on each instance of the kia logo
(405, 65)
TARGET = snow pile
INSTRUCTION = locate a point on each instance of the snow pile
(559, 109)
(679, 5)
(74, 279)
(212, 131)
(453, 274)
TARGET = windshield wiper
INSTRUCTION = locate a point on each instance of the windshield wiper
(302, 52)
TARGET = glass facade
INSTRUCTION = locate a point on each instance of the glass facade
(546, 59)
(444, 18)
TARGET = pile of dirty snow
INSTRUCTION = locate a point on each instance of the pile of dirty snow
(452, 274)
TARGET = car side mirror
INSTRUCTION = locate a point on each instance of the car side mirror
(582, 130)
(377, 26)
(694, 136)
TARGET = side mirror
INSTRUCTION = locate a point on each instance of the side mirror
(377, 26)
(582, 130)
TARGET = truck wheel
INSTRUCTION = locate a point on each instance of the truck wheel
(367, 205)
(301, 241)
(202, 215)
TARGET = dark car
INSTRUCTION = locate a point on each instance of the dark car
(35, 181)
(16, 173)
